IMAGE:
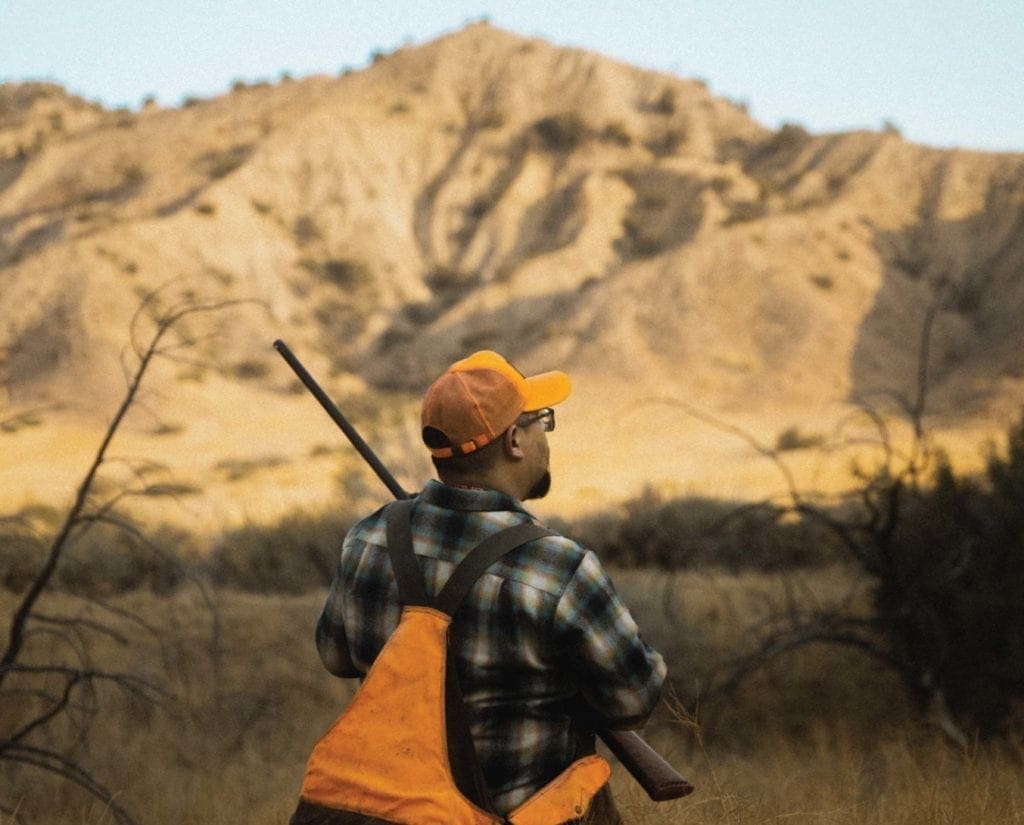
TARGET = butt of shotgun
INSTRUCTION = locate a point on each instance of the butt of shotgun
(657, 777)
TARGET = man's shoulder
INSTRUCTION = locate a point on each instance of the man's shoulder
(546, 564)
(371, 529)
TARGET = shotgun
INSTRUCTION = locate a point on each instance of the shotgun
(657, 777)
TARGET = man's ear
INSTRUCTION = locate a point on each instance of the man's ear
(512, 442)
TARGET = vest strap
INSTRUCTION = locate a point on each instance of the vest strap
(462, 758)
(411, 589)
(411, 592)
(480, 558)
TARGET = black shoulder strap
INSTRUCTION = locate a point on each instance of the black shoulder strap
(462, 758)
(480, 558)
(465, 765)
(411, 591)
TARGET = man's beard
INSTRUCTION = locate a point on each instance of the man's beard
(541, 487)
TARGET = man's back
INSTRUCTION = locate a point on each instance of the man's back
(540, 637)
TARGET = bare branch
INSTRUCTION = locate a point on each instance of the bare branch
(55, 763)
(54, 710)
(835, 632)
(74, 643)
(80, 622)
(57, 690)
(34, 693)
(145, 353)
(119, 611)
(133, 684)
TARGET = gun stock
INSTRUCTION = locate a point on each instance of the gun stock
(656, 776)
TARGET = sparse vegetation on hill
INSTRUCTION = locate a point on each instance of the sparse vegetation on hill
(695, 228)
(562, 132)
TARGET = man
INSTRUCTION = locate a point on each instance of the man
(545, 650)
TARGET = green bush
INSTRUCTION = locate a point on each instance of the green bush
(306, 230)
(492, 119)
(250, 369)
(793, 438)
(950, 585)
(345, 273)
(237, 469)
(221, 163)
(107, 560)
(104, 559)
(615, 132)
(639, 238)
(790, 137)
(297, 554)
(665, 104)
(743, 211)
(20, 421)
(562, 132)
(668, 142)
(699, 532)
(21, 556)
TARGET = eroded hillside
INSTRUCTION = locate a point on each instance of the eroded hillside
(490, 191)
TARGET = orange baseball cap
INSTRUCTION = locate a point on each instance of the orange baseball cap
(480, 397)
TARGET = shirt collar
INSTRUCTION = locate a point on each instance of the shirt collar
(463, 498)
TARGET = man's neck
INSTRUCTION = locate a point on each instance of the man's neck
(466, 485)
(496, 485)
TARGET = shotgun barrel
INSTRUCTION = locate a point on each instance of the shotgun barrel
(656, 776)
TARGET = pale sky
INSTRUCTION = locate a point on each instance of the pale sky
(945, 72)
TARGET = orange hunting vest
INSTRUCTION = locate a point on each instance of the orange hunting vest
(395, 752)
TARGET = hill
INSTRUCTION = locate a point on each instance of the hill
(490, 191)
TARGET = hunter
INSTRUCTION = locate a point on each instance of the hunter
(540, 645)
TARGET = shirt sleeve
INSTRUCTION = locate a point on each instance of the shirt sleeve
(362, 608)
(331, 640)
(620, 676)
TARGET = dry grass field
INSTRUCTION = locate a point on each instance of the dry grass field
(820, 737)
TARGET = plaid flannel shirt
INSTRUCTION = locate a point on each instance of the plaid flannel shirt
(541, 636)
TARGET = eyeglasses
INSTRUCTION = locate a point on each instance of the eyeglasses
(545, 416)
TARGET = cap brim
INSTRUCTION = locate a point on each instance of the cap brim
(546, 390)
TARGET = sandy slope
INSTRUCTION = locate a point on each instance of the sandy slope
(489, 191)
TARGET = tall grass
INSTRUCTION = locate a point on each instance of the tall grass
(830, 778)
(821, 737)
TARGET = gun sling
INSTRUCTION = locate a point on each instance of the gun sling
(411, 592)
